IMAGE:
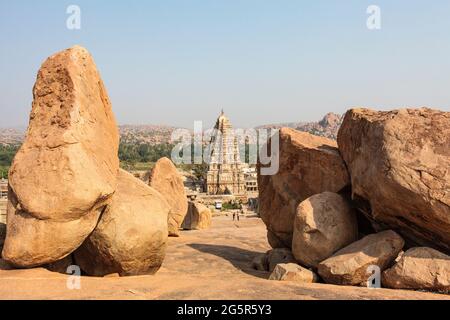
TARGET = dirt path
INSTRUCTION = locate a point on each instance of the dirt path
(208, 264)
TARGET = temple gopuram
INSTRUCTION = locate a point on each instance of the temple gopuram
(225, 174)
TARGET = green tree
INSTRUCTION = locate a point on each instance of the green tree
(7, 153)
(131, 154)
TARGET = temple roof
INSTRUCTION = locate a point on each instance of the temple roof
(222, 122)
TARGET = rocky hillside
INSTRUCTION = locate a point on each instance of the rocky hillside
(327, 127)
(160, 134)
(11, 136)
(130, 134)
(151, 134)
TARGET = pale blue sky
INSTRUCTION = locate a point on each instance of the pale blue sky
(176, 61)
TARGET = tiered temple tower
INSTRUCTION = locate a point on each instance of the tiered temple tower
(225, 175)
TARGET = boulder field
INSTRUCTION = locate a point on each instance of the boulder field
(308, 165)
(69, 203)
(390, 169)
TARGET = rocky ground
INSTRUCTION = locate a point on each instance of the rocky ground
(205, 264)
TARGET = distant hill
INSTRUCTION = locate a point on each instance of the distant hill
(150, 134)
(12, 136)
(327, 127)
(160, 134)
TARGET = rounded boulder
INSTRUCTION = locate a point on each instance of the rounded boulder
(324, 223)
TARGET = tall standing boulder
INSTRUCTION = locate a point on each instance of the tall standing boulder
(324, 224)
(399, 161)
(166, 179)
(308, 165)
(198, 218)
(131, 236)
(64, 174)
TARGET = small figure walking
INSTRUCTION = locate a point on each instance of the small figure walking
(234, 215)
(237, 214)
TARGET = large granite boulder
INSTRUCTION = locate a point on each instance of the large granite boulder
(308, 165)
(198, 217)
(419, 269)
(399, 162)
(64, 174)
(166, 179)
(273, 240)
(292, 272)
(350, 265)
(324, 224)
(131, 236)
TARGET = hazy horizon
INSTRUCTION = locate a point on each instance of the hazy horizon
(207, 125)
(174, 62)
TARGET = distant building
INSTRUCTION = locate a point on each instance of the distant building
(225, 175)
(3, 200)
(3, 206)
(251, 180)
(3, 188)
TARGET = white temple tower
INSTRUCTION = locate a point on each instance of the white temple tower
(225, 174)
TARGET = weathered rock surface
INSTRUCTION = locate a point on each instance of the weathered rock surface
(292, 272)
(198, 217)
(349, 266)
(307, 165)
(131, 236)
(324, 223)
(399, 161)
(65, 172)
(419, 269)
(279, 255)
(273, 240)
(166, 179)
